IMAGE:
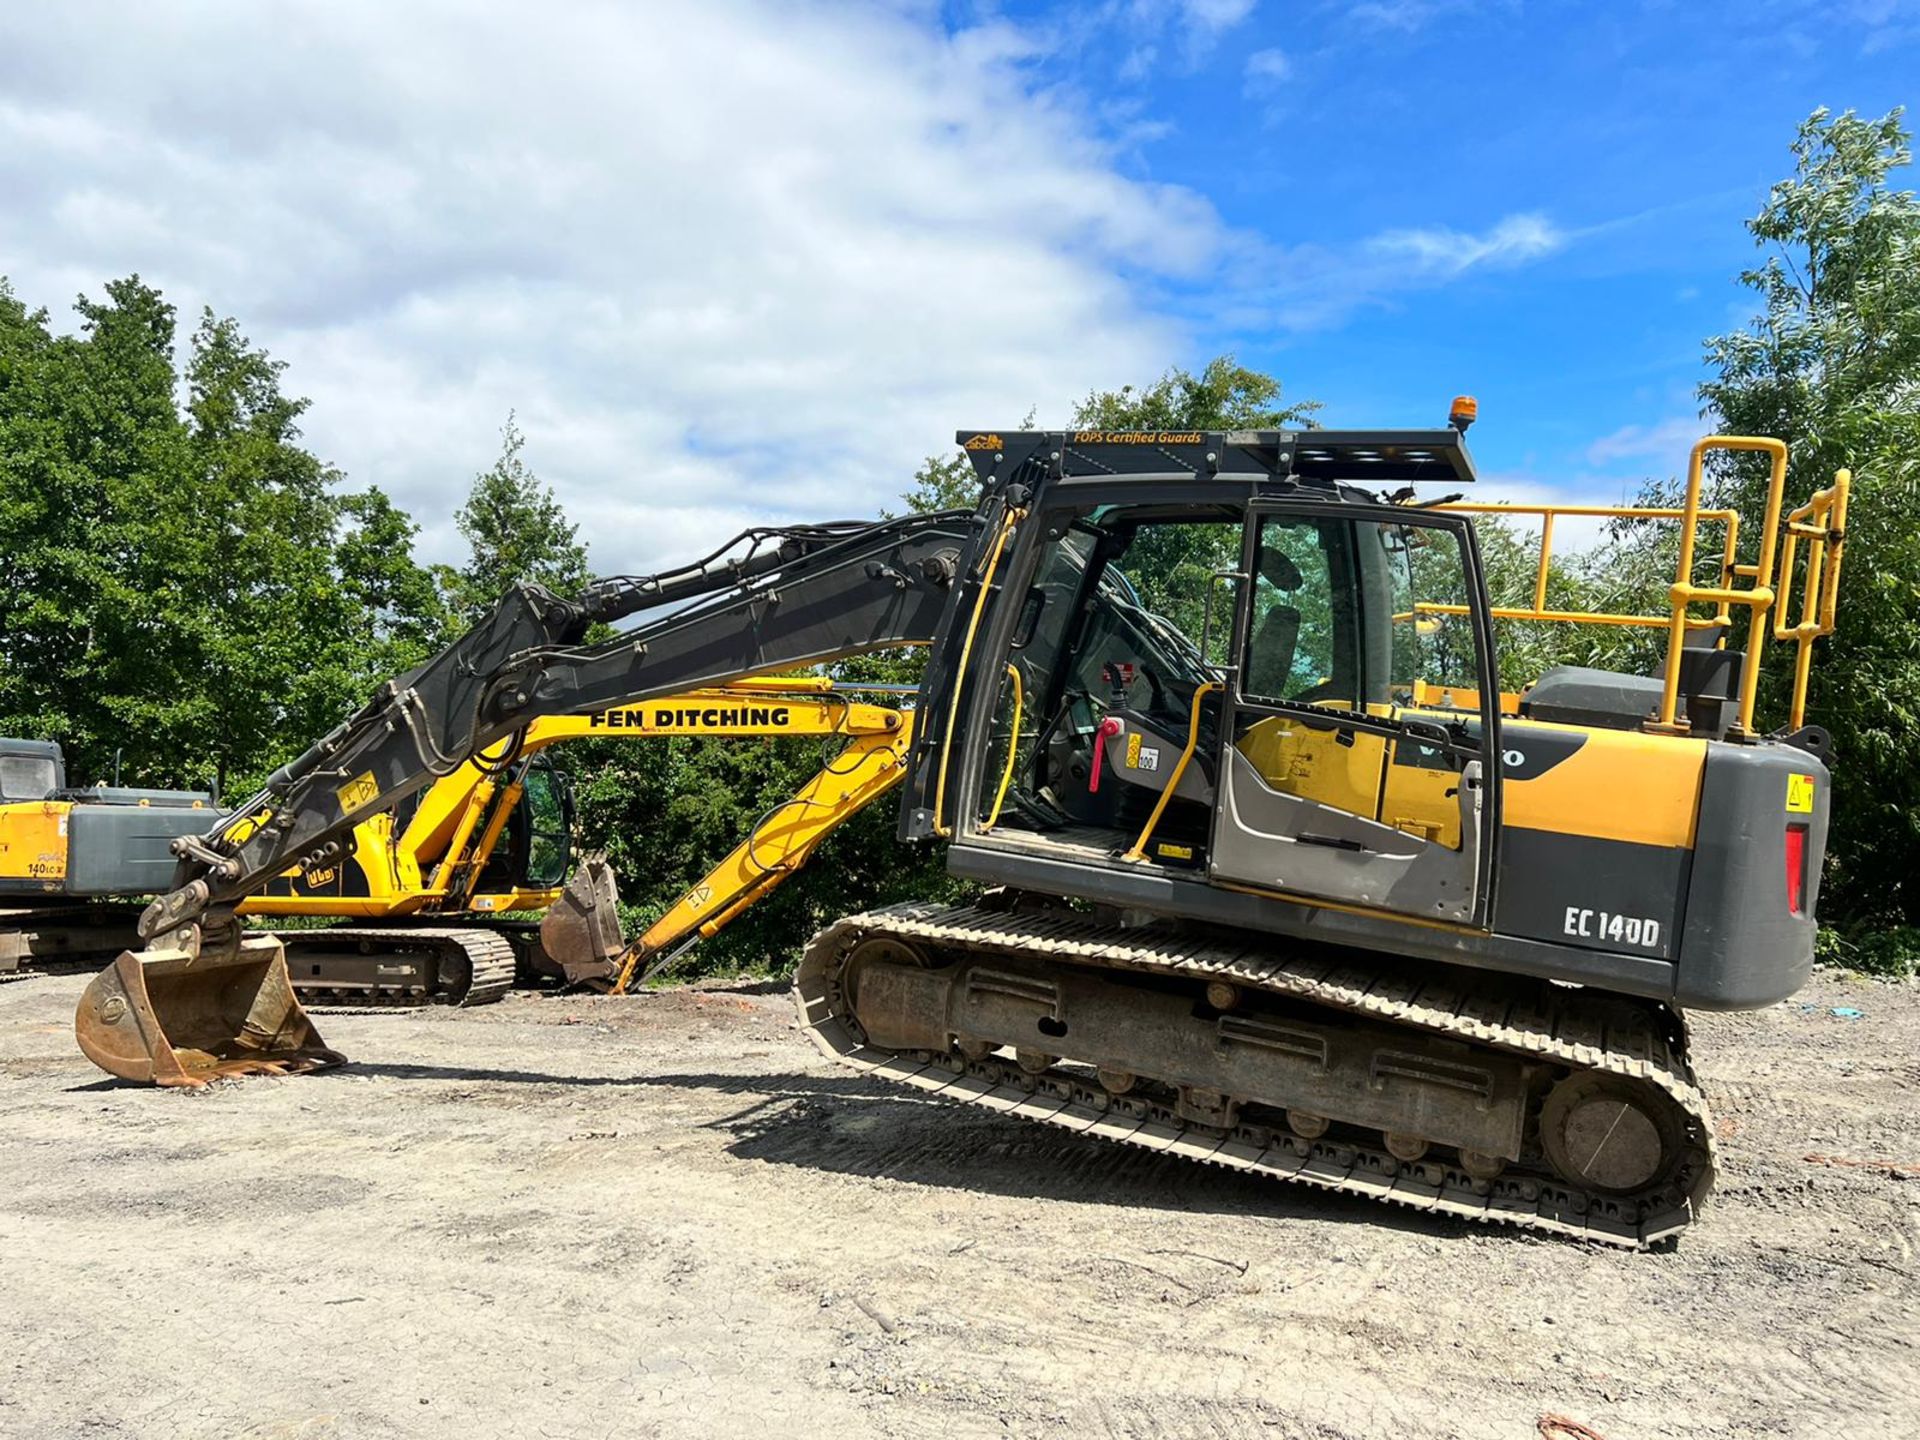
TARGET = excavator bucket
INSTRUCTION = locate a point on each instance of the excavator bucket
(166, 1017)
(581, 932)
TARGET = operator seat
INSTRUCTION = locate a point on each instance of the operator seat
(1270, 659)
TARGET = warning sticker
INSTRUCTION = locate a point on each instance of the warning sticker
(1800, 794)
(358, 792)
(1133, 751)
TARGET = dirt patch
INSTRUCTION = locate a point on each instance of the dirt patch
(668, 1216)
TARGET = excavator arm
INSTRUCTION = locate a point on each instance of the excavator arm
(772, 600)
(780, 843)
(203, 1000)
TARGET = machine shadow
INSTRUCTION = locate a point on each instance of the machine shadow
(851, 1125)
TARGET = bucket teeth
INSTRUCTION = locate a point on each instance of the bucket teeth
(167, 1017)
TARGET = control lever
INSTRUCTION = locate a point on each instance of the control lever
(1109, 727)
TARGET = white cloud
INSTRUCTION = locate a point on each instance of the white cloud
(1440, 251)
(1216, 16)
(1197, 25)
(1308, 287)
(1666, 443)
(1409, 16)
(727, 260)
(1266, 71)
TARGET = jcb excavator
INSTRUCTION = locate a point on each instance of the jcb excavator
(439, 877)
(1282, 880)
(494, 836)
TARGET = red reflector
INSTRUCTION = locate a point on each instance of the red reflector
(1797, 868)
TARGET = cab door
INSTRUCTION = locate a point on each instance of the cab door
(1360, 731)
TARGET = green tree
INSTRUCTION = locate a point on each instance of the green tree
(1830, 365)
(1225, 395)
(191, 587)
(1173, 564)
(517, 530)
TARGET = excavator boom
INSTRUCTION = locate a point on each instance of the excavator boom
(780, 843)
(771, 600)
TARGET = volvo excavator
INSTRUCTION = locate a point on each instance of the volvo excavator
(1278, 878)
(429, 887)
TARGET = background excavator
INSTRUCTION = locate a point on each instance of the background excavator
(1281, 879)
(441, 876)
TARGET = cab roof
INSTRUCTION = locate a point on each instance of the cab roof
(1357, 457)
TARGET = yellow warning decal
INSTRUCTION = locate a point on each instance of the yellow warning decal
(1800, 794)
(1133, 751)
(1168, 851)
(358, 793)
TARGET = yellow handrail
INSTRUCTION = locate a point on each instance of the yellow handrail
(1012, 518)
(1758, 599)
(1544, 564)
(1822, 522)
(1139, 850)
(1013, 754)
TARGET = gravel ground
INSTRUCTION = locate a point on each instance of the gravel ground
(667, 1216)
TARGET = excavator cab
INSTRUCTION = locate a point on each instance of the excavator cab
(1210, 684)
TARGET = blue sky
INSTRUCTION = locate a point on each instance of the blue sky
(1631, 139)
(739, 260)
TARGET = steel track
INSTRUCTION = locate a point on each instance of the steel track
(1582, 1031)
(490, 958)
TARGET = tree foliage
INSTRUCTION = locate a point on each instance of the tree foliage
(516, 530)
(1831, 365)
(1225, 395)
(189, 585)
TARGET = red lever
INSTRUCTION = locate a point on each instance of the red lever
(1109, 727)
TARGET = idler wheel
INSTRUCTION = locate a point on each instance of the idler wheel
(1609, 1133)
(881, 950)
(1116, 1082)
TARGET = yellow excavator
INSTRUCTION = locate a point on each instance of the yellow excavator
(1280, 879)
(432, 883)
(494, 837)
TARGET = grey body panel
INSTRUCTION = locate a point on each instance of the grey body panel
(1727, 939)
(1568, 889)
(1581, 695)
(123, 849)
(126, 795)
(1269, 838)
(1179, 893)
(1741, 947)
